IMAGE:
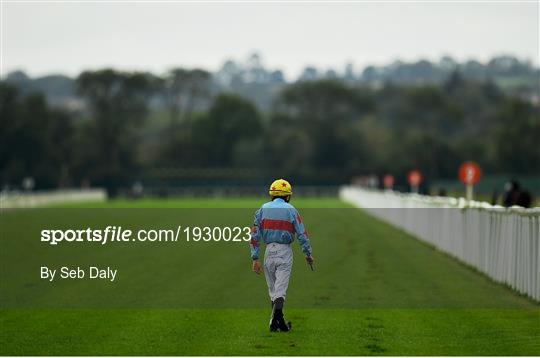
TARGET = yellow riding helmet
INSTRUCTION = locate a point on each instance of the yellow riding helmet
(280, 187)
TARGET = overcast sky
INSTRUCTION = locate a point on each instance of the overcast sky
(43, 38)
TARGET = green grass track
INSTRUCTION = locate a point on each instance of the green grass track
(375, 291)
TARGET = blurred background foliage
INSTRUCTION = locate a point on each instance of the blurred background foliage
(246, 124)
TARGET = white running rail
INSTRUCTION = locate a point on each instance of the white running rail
(11, 200)
(502, 243)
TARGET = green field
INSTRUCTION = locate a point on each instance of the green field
(375, 291)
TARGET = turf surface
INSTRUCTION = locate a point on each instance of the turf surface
(375, 291)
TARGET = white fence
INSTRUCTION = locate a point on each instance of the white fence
(42, 198)
(502, 243)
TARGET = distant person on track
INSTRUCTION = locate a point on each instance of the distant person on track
(514, 195)
(276, 223)
(511, 193)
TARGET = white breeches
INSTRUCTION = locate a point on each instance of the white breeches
(278, 260)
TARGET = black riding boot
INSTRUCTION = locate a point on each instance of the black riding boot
(274, 325)
(278, 321)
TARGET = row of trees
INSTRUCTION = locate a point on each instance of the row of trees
(317, 132)
(251, 78)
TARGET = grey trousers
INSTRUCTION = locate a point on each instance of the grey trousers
(278, 260)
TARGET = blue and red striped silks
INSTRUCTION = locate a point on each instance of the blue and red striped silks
(278, 221)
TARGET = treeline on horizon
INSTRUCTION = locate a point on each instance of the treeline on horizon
(252, 79)
(316, 132)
